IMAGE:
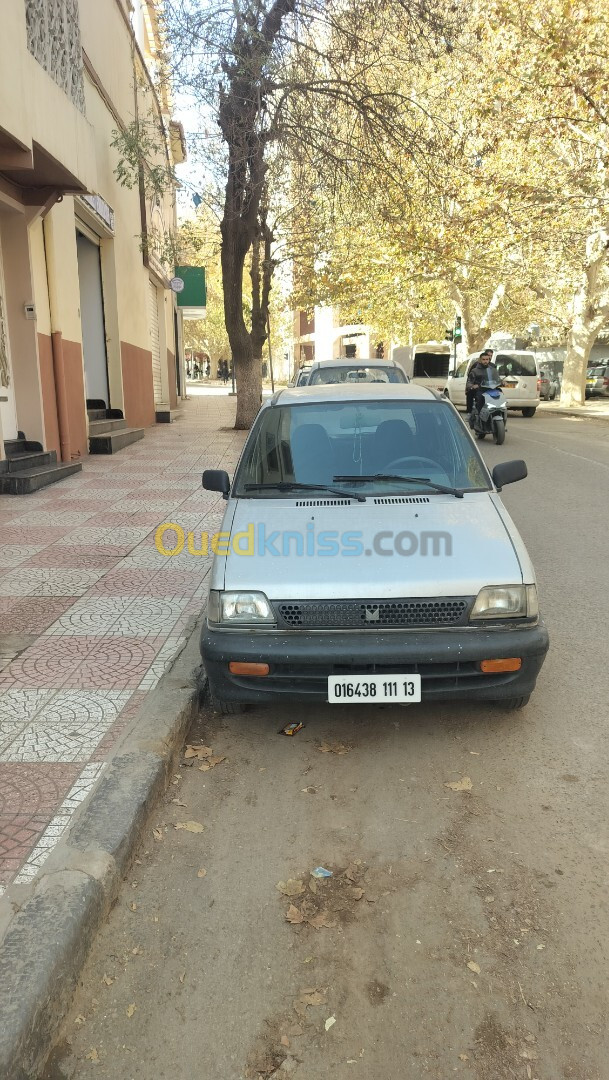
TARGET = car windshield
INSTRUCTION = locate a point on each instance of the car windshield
(381, 440)
(597, 372)
(359, 373)
(520, 364)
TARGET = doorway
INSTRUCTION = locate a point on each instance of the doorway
(8, 412)
(92, 320)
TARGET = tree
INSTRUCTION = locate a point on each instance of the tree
(256, 67)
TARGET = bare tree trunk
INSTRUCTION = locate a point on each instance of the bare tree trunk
(246, 367)
(590, 312)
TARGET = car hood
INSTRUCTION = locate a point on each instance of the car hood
(473, 547)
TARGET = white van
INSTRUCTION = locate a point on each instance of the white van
(518, 369)
(427, 363)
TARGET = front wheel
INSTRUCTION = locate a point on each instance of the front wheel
(513, 703)
(499, 431)
(227, 708)
(529, 412)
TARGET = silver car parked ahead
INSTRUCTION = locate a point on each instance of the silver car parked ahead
(366, 556)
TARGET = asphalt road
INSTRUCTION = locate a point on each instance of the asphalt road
(480, 946)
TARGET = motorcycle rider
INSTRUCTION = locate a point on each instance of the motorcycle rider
(482, 372)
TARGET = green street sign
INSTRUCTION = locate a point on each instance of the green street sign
(194, 293)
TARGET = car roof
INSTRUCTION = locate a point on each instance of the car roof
(308, 395)
(356, 361)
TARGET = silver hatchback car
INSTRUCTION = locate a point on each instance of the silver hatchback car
(365, 556)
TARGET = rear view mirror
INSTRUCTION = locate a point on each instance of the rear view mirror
(508, 472)
(216, 480)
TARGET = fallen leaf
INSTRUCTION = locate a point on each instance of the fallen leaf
(179, 802)
(474, 967)
(199, 752)
(322, 920)
(107, 980)
(294, 916)
(80, 1020)
(133, 906)
(308, 959)
(189, 826)
(334, 748)
(541, 946)
(291, 887)
(313, 997)
(158, 834)
(92, 1055)
(285, 1041)
(309, 790)
(137, 951)
(464, 784)
(211, 763)
(330, 1022)
(130, 1010)
(463, 1057)
(202, 872)
(356, 893)
(182, 976)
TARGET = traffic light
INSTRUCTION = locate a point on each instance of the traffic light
(458, 336)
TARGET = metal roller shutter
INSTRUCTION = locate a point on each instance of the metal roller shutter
(155, 341)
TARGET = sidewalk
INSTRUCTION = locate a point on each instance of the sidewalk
(594, 409)
(93, 615)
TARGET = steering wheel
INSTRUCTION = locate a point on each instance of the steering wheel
(407, 462)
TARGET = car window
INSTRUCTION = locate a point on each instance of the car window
(328, 376)
(597, 372)
(515, 364)
(312, 443)
(461, 371)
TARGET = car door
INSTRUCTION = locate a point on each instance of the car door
(456, 383)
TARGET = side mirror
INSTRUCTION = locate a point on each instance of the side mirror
(216, 480)
(508, 472)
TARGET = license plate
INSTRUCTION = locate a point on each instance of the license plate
(369, 689)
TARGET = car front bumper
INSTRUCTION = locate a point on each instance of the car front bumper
(300, 662)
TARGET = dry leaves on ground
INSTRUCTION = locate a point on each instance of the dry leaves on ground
(202, 872)
(291, 887)
(131, 1009)
(189, 826)
(334, 748)
(158, 834)
(294, 916)
(474, 967)
(464, 784)
(330, 1022)
(322, 920)
(211, 763)
(92, 1055)
(312, 996)
(107, 980)
(199, 752)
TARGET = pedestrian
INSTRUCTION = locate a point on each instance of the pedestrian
(481, 372)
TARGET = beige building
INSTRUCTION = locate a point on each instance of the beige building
(88, 323)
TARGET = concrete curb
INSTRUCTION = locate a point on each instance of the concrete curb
(582, 413)
(47, 927)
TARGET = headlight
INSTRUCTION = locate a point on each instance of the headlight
(238, 608)
(506, 602)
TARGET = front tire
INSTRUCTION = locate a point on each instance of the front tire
(529, 412)
(513, 703)
(499, 431)
(227, 708)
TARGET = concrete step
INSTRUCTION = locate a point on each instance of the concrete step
(100, 427)
(96, 414)
(109, 442)
(29, 480)
(30, 460)
(163, 414)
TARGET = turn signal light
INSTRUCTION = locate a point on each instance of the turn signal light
(513, 664)
(236, 667)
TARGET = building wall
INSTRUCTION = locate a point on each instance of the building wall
(137, 385)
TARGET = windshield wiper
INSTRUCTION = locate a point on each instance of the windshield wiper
(409, 479)
(291, 485)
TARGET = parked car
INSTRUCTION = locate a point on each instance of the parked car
(301, 377)
(365, 556)
(347, 370)
(519, 373)
(548, 387)
(597, 380)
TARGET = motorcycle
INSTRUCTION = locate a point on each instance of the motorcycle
(491, 419)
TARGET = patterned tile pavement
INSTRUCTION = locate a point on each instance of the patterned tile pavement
(101, 614)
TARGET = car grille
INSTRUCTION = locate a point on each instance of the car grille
(373, 614)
